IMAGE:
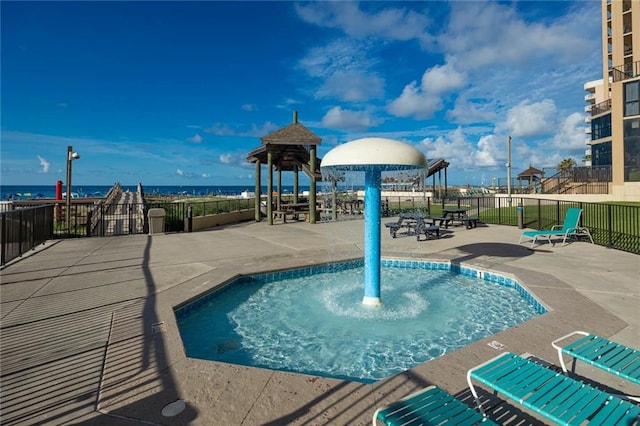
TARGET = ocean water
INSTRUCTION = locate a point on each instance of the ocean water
(21, 192)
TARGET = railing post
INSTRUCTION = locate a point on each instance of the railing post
(88, 231)
(3, 243)
(609, 226)
(33, 229)
(102, 213)
(20, 235)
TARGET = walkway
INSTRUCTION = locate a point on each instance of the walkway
(88, 334)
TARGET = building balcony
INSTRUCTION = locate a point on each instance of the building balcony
(589, 97)
(626, 71)
(600, 108)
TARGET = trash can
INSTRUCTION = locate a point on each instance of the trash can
(520, 212)
(156, 221)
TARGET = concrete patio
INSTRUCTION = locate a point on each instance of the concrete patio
(88, 334)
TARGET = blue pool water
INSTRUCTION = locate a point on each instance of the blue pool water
(312, 321)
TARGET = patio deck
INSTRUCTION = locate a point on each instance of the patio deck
(88, 334)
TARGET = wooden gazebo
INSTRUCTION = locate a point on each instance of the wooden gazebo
(291, 148)
(531, 175)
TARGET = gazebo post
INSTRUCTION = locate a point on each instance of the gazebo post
(270, 188)
(334, 200)
(258, 185)
(295, 184)
(312, 186)
(279, 196)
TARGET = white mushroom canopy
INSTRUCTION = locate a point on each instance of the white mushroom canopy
(367, 153)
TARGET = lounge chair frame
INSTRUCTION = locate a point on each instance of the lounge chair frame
(570, 228)
(429, 406)
(597, 351)
(551, 394)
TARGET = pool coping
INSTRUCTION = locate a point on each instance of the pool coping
(256, 393)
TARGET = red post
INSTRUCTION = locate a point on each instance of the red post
(58, 199)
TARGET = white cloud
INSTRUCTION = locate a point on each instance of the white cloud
(571, 134)
(195, 138)
(467, 112)
(179, 172)
(389, 23)
(346, 70)
(342, 119)
(351, 87)
(488, 33)
(220, 129)
(233, 159)
(422, 101)
(529, 119)
(260, 131)
(489, 149)
(249, 107)
(205, 175)
(452, 146)
(44, 164)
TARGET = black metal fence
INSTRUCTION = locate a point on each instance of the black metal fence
(612, 225)
(23, 230)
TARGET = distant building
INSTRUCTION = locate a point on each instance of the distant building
(615, 110)
(595, 96)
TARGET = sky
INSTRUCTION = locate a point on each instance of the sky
(178, 93)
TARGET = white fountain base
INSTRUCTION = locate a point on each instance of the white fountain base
(371, 301)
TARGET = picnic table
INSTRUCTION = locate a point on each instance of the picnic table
(415, 224)
(292, 209)
(452, 215)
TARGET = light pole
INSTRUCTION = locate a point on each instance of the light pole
(70, 157)
(509, 171)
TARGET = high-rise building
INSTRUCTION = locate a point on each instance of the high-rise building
(595, 96)
(615, 116)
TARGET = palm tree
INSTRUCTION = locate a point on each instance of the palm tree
(565, 166)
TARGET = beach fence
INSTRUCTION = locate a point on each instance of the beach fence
(23, 230)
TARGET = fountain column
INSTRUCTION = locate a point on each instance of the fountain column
(372, 156)
(372, 237)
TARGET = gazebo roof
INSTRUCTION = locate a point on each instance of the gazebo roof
(530, 172)
(289, 148)
(293, 134)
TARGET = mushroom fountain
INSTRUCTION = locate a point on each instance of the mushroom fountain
(372, 156)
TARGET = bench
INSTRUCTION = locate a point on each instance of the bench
(427, 230)
(282, 214)
(394, 226)
(469, 222)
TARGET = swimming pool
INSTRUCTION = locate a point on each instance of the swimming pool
(311, 320)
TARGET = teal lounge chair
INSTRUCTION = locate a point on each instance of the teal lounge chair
(551, 394)
(570, 227)
(613, 357)
(429, 406)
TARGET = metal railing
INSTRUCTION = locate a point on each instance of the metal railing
(601, 107)
(626, 71)
(611, 225)
(23, 230)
